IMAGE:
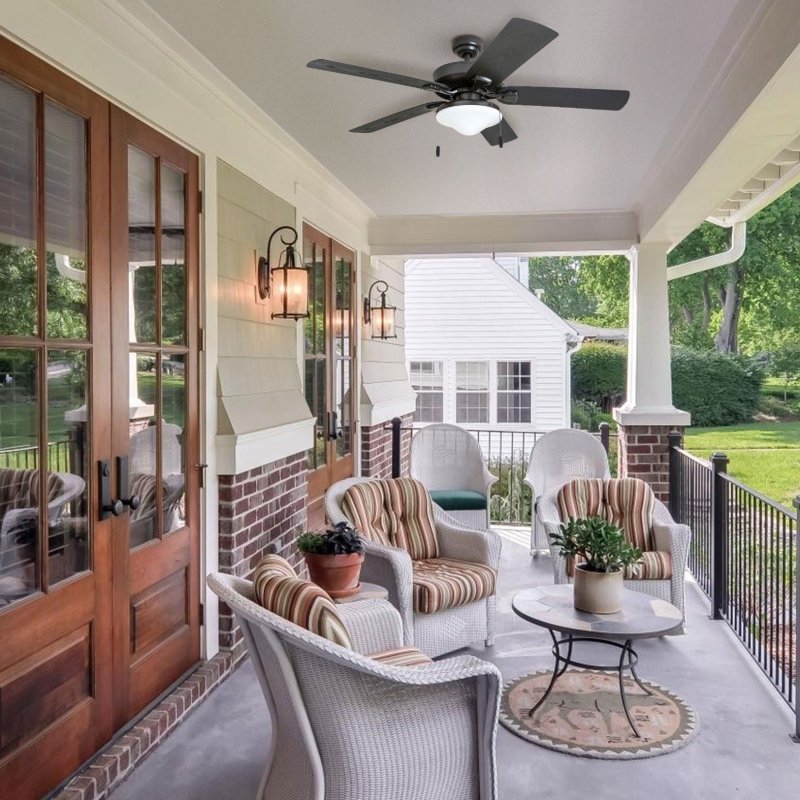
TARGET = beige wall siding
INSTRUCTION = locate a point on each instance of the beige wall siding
(385, 389)
(258, 380)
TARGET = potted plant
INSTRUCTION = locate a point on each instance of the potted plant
(333, 558)
(605, 553)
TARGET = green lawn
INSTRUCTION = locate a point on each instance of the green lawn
(764, 455)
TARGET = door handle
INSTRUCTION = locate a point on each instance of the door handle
(333, 432)
(132, 501)
(108, 506)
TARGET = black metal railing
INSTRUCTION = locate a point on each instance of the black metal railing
(58, 456)
(746, 558)
(506, 453)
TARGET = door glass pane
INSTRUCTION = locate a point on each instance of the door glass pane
(143, 450)
(18, 310)
(65, 222)
(141, 245)
(68, 462)
(19, 504)
(173, 430)
(314, 328)
(173, 269)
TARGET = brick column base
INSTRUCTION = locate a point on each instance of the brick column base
(376, 449)
(644, 453)
(260, 511)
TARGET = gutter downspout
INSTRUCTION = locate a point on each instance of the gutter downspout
(734, 253)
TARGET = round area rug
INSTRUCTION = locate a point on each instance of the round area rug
(583, 715)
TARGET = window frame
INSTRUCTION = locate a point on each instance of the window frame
(472, 391)
(510, 392)
(428, 391)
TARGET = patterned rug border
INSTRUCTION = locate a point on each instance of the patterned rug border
(509, 722)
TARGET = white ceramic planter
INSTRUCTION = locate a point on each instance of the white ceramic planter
(598, 592)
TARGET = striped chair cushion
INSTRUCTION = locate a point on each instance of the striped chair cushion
(581, 498)
(411, 516)
(364, 506)
(654, 565)
(19, 488)
(402, 657)
(279, 590)
(441, 583)
(396, 512)
(629, 504)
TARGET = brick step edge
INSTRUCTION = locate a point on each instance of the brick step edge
(112, 765)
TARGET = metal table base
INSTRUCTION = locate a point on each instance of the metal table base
(627, 661)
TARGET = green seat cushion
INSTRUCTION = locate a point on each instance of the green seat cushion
(459, 500)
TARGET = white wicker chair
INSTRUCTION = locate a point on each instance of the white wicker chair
(668, 535)
(345, 727)
(448, 458)
(558, 457)
(446, 630)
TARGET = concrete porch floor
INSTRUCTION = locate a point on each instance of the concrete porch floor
(742, 748)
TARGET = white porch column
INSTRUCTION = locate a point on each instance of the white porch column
(648, 414)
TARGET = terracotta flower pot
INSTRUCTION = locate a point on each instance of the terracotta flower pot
(337, 575)
(598, 592)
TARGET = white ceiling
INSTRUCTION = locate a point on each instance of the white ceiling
(564, 160)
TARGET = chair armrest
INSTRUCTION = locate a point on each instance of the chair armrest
(467, 544)
(675, 539)
(391, 567)
(373, 625)
(547, 510)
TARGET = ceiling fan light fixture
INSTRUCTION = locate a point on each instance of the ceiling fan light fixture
(469, 117)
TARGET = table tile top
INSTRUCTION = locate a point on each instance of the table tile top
(642, 615)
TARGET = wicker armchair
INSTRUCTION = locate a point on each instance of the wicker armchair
(558, 457)
(666, 536)
(443, 631)
(448, 460)
(347, 727)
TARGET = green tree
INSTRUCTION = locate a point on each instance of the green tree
(557, 281)
(786, 364)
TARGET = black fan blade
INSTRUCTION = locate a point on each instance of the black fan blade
(520, 40)
(600, 99)
(376, 75)
(393, 119)
(492, 135)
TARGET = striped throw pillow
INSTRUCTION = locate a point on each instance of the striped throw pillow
(629, 504)
(279, 590)
(581, 498)
(413, 527)
(363, 504)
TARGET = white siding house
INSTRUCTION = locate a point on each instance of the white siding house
(483, 351)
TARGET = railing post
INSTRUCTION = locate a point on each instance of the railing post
(796, 734)
(396, 423)
(604, 435)
(719, 544)
(675, 439)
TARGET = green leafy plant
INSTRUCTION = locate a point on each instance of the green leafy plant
(600, 544)
(339, 540)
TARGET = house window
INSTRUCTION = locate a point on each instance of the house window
(426, 379)
(514, 391)
(472, 392)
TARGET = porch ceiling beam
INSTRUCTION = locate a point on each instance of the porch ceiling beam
(600, 232)
(724, 137)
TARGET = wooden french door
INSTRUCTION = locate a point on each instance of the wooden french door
(329, 364)
(154, 430)
(98, 608)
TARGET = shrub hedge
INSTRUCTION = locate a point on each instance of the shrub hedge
(717, 389)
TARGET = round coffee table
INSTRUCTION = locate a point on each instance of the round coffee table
(642, 617)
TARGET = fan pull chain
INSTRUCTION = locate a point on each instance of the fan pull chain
(500, 139)
(438, 151)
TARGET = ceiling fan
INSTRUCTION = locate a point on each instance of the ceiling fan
(468, 87)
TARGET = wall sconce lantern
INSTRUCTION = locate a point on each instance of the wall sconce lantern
(287, 283)
(379, 317)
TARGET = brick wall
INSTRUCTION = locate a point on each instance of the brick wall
(260, 511)
(644, 453)
(376, 449)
